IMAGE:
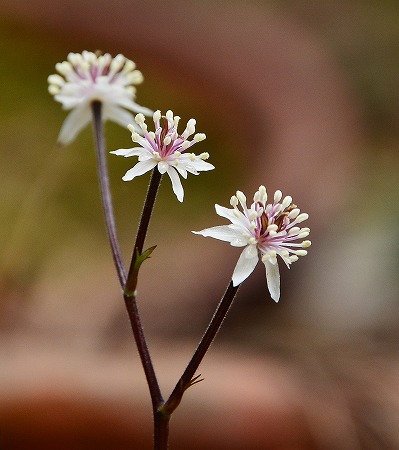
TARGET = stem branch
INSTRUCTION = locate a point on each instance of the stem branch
(188, 379)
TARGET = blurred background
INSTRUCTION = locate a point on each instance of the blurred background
(297, 95)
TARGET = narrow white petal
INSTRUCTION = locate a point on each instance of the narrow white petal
(182, 171)
(245, 265)
(126, 152)
(176, 183)
(75, 122)
(117, 115)
(222, 232)
(133, 106)
(273, 280)
(163, 167)
(235, 216)
(139, 169)
(202, 165)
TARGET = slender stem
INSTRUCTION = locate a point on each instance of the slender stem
(103, 177)
(134, 316)
(131, 281)
(187, 380)
(161, 430)
(161, 423)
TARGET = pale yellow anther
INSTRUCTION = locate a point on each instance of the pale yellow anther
(53, 89)
(139, 118)
(56, 79)
(306, 244)
(234, 201)
(116, 64)
(204, 156)
(64, 67)
(277, 196)
(135, 77)
(157, 115)
(241, 197)
(253, 215)
(302, 217)
(135, 136)
(199, 137)
(287, 201)
(169, 116)
(129, 66)
(294, 213)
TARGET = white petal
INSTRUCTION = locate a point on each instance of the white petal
(235, 216)
(139, 169)
(222, 232)
(245, 265)
(117, 115)
(163, 167)
(273, 279)
(202, 165)
(182, 171)
(129, 104)
(176, 183)
(75, 121)
(126, 152)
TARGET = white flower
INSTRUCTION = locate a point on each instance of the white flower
(265, 230)
(166, 149)
(89, 77)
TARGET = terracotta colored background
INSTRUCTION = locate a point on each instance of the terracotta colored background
(293, 95)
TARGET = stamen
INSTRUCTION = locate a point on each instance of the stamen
(234, 201)
(157, 115)
(302, 217)
(277, 196)
(287, 201)
(294, 213)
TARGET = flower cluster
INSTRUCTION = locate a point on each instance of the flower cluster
(265, 230)
(166, 149)
(88, 77)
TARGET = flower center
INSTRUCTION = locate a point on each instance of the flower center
(165, 129)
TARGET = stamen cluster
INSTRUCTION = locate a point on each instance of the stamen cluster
(166, 149)
(88, 77)
(266, 230)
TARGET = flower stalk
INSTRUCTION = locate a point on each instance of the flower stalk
(103, 177)
(137, 260)
(188, 379)
(131, 282)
